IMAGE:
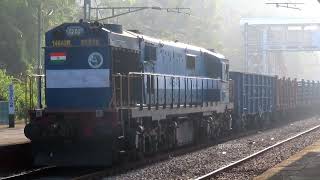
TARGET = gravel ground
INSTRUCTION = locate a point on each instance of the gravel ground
(206, 160)
(257, 166)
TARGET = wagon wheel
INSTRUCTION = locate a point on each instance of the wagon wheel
(258, 121)
(243, 122)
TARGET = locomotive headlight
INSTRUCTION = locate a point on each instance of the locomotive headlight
(74, 31)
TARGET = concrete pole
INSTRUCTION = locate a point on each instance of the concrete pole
(246, 47)
(86, 10)
(264, 50)
(39, 105)
(11, 106)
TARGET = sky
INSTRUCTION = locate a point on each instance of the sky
(232, 10)
(310, 8)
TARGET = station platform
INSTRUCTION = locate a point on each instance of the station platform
(305, 165)
(12, 136)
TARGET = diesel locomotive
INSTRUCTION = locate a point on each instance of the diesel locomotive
(112, 93)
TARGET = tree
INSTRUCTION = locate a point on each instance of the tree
(18, 21)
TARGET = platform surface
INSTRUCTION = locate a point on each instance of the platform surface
(305, 165)
(10, 136)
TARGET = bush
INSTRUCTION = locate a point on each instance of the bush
(19, 93)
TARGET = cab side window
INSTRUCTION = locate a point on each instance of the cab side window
(225, 71)
(150, 53)
(191, 62)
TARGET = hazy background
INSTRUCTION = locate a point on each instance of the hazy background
(213, 24)
(298, 64)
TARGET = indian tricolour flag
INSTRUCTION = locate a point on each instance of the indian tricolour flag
(58, 57)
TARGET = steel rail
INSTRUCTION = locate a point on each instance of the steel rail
(118, 170)
(159, 158)
(28, 173)
(113, 171)
(224, 168)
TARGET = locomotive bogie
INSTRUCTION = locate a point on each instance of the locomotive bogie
(176, 131)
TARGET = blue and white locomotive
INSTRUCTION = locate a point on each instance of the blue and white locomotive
(111, 92)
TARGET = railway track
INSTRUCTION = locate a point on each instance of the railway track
(158, 158)
(254, 155)
(53, 172)
(98, 173)
(29, 173)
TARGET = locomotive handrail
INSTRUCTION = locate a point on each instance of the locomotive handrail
(143, 89)
(30, 88)
(171, 75)
(36, 75)
(74, 46)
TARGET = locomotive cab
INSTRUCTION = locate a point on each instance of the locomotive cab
(77, 68)
(79, 62)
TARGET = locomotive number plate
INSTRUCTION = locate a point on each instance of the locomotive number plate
(61, 43)
(90, 42)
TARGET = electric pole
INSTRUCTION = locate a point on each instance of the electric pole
(128, 10)
(39, 56)
(286, 5)
(123, 10)
(87, 10)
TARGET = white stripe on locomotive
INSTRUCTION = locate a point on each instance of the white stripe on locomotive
(78, 78)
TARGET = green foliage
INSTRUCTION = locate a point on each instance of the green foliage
(19, 23)
(55, 12)
(19, 28)
(18, 41)
(19, 92)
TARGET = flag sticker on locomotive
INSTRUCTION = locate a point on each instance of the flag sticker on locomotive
(58, 57)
